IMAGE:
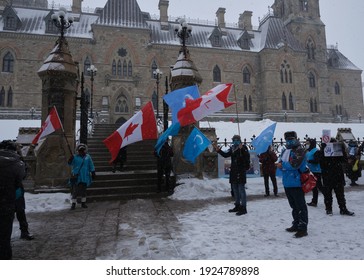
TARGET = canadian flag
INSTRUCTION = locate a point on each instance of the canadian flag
(212, 101)
(51, 124)
(140, 127)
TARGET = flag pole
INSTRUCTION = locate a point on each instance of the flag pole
(63, 133)
(237, 112)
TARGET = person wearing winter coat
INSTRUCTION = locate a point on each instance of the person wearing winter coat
(268, 160)
(164, 166)
(240, 163)
(313, 163)
(333, 176)
(293, 162)
(12, 172)
(120, 159)
(353, 167)
(83, 170)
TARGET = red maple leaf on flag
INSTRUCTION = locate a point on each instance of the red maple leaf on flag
(130, 129)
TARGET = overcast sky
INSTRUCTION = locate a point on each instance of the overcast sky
(345, 32)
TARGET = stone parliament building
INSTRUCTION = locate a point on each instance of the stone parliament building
(282, 70)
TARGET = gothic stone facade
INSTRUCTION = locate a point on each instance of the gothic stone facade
(281, 70)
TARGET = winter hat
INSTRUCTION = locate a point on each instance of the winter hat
(290, 135)
(81, 146)
(236, 138)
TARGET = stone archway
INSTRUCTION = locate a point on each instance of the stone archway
(120, 121)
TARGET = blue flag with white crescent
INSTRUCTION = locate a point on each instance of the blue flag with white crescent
(195, 144)
(171, 131)
(264, 140)
(176, 99)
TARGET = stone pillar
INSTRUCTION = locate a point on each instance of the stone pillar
(184, 73)
(59, 89)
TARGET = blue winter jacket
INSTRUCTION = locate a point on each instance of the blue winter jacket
(313, 160)
(83, 170)
(293, 164)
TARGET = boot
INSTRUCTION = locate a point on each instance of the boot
(235, 209)
(312, 204)
(83, 205)
(241, 211)
(73, 206)
(25, 235)
(301, 233)
(346, 212)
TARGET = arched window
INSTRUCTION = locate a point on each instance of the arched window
(121, 105)
(217, 74)
(86, 65)
(337, 88)
(154, 67)
(284, 101)
(315, 105)
(286, 73)
(119, 68)
(312, 80)
(310, 49)
(9, 102)
(250, 104)
(245, 104)
(125, 69)
(291, 105)
(2, 97)
(8, 63)
(130, 69)
(246, 75)
(304, 5)
(113, 68)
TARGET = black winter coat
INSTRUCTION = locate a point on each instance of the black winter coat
(332, 170)
(240, 163)
(12, 172)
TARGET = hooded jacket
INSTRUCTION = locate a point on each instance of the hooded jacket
(12, 172)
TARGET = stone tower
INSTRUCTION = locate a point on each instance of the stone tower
(302, 19)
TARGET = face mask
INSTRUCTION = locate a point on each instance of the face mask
(236, 142)
(307, 146)
(290, 143)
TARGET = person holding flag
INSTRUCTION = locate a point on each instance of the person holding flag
(240, 163)
(83, 172)
(164, 166)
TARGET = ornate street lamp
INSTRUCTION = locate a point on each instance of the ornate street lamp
(183, 32)
(157, 75)
(92, 70)
(61, 21)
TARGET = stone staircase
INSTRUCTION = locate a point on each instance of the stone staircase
(138, 178)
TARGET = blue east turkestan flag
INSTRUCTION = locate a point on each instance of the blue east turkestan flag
(171, 131)
(176, 99)
(264, 140)
(195, 144)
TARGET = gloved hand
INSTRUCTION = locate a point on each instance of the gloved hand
(93, 175)
(70, 159)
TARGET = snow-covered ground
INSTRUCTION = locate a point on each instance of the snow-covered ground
(259, 234)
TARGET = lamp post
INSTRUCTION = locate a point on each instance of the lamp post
(165, 109)
(183, 32)
(157, 75)
(32, 111)
(61, 22)
(92, 70)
